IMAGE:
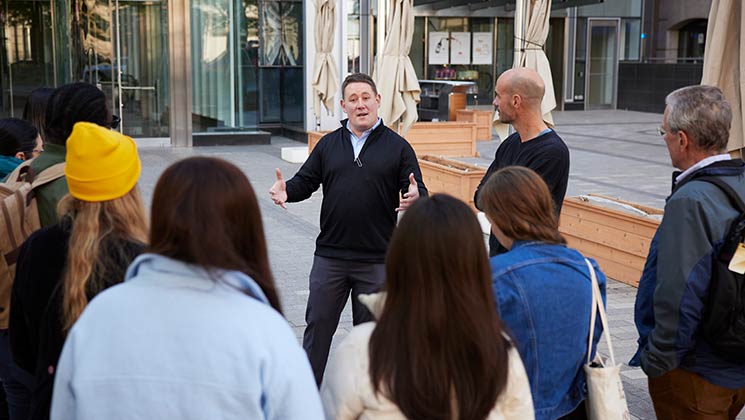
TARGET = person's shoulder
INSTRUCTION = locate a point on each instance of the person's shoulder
(511, 140)
(51, 236)
(554, 142)
(329, 139)
(392, 137)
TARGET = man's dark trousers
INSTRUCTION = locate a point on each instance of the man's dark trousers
(331, 280)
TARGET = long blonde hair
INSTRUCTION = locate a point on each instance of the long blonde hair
(93, 223)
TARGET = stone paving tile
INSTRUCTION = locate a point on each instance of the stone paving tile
(615, 153)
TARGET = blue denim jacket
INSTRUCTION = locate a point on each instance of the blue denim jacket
(544, 296)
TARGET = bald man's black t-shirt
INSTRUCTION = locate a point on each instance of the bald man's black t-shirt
(546, 154)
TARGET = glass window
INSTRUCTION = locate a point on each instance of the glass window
(271, 99)
(630, 39)
(482, 75)
(25, 53)
(691, 41)
(50, 44)
(416, 54)
(505, 44)
(579, 62)
(353, 36)
(281, 62)
(225, 56)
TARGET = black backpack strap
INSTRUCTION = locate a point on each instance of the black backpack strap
(727, 189)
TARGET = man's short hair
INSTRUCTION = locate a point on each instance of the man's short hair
(703, 113)
(358, 78)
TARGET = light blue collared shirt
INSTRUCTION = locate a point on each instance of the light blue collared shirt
(358, 142)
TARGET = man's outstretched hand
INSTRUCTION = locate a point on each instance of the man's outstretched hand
(410, 196)
(278, 192)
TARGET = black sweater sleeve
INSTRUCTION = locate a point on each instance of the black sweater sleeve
(307, 180)
(410, 164)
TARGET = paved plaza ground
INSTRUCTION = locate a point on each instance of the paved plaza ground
(616, 153)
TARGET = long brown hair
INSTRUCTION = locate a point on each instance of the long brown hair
(518, 201)
(438, 350)
(94, 225)
(205, 213)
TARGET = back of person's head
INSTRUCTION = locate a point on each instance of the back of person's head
(205, 212)
(518, 201)
(438, 350)
(104, 209)
(17, 136)
(35, 110)
(703, 113)
(73, 103)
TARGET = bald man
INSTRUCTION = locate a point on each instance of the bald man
(534, 145)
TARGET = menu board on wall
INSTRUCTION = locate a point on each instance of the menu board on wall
(482, 48)
(460, 47)
(439, 48)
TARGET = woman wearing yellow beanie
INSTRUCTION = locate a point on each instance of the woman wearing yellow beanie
(102, 228)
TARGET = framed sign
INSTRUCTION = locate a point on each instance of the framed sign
(439, 48)
(482, 47)
(460, 48)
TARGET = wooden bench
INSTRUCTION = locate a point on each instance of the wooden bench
(442, 175)
(482, 119)
(617, 240)
(447, 138)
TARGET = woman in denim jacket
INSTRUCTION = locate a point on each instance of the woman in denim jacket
(543, 291)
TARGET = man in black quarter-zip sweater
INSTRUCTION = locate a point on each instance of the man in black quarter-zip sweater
(368, 173)
(519, 93)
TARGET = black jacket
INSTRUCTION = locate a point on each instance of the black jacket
(360, 196)
(36, 326)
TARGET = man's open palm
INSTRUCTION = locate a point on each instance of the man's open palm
(278, 192)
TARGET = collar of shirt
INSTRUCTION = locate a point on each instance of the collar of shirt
(702, 163)
(358, 142)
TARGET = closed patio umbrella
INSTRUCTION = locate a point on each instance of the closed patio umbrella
(325, 79)
(724, 62)
(394, 74)
(530, 36)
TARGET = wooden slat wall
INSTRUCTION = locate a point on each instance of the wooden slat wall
(458, 179)
(482, 119)
(617, 240)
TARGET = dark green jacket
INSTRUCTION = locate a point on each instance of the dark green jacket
(47, 196)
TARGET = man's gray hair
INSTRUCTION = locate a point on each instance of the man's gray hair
(703, 113)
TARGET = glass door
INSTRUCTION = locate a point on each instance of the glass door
(602, 63)
(120, 46)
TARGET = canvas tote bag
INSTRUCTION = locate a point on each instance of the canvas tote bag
(605, 397)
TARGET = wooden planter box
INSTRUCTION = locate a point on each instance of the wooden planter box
(617, 240)
(446, 138)
(482, 119)
(314, 137)
(442, 175)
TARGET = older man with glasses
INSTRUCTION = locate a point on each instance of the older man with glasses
(689, 376)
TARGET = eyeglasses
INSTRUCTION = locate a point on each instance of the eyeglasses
(661, 130)
(115, 120)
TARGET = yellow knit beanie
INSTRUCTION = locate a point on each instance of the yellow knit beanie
(101, 164)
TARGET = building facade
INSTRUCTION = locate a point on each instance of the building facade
(243, 66)
(195, 70)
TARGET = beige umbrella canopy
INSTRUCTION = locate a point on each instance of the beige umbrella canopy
(394, 74)
(724, 61)
(529, 53)
(325, 79)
